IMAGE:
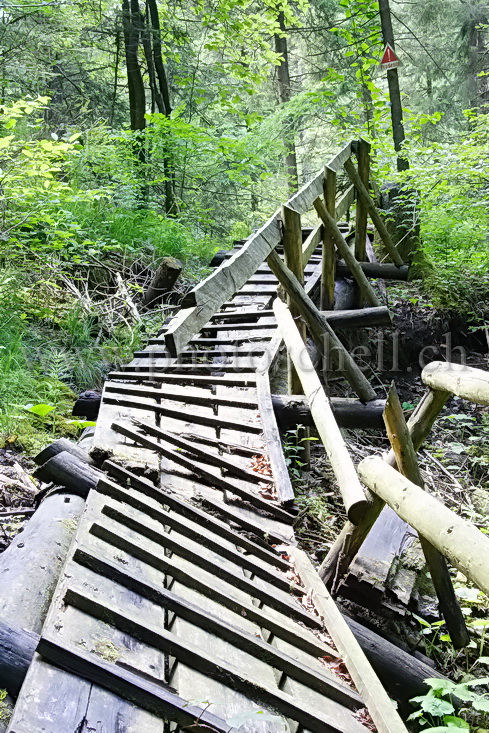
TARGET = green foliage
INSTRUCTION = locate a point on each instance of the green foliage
(438, 703)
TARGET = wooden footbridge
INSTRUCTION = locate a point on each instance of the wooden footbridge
(184, 602)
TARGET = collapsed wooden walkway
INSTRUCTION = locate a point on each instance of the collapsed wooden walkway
(184, 603)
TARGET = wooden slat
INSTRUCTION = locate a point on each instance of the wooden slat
(240, 380)
(181, 394)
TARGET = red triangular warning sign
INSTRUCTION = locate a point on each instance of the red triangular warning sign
(389, 59)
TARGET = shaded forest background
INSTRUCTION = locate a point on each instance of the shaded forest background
(132, 130)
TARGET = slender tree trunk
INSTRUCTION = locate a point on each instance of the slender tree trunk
(394, 90)
(284, 94)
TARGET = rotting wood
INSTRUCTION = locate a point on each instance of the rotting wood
(165, 277)
(240, 380)
(351, 537)
(329, 252)
(194, 614)
(214, 479)
(321, 330)
(274, 598)
(354, 498)
(150, 695)
(385, 271)
(457, 539)
(407, 463)
(292, 410)
(359, 318)
(331, 228)
(198, 418)
(17, 647)
(59, 446)
(374, 214)
(284, 628)
(66, 469)
(30, 566)
(458, 379)
(203, 539)
(185, 509)
(379, 705)
(247, 474)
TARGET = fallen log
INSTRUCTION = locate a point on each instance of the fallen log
(60, 446)
(30, 566)
(68, 470)
(358, 318)
(292, 410)
(17, 647)
(385, 271)
(163, 281)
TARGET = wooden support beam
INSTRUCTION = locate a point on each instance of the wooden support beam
(363, 157)
(385, 271)
(329, 252)
(292, 410)
(358, 318)
(459, 540)
(351, 537)
(354, 497)
(378, 703)
(331, 228)
(311, 244)
(407, 463)
(458, 379)
(372, 210)
(292, 243)
(321, 330)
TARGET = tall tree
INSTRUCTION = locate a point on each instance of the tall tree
(284, 95)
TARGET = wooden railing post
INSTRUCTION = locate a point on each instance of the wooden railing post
(292, 241)
(329, 255)
(363, 157)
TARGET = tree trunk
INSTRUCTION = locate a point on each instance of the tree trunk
(163, 281)
(284, 95)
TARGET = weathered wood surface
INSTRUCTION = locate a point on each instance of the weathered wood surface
(363, 157)
(354, 497)
(30, 566)
(321, 329)
(351, 537)
(374, 214)
(164, 279)
(66, 469)
(292, 410)
(329, 252)
(17, 647)
(458, 379)
(407, 463)
(372, 269)
(336, 236)
(457, 539)
(380, 706)
(359, 318)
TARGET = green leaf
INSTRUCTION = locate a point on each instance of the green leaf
(481, 704)
(439, 684)
(436, 705)
(41, 410)
(453, 721)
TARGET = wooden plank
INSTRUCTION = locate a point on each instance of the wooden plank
(203, 538)
(210, 665)
(223, 351)
(292, 243)
(204, 473)
(301, 201)
(187, 510)
(240, 380)
(233, 274)
(310, 245)
(198, 418)
(127, 542)
(182, 394)
(214, 459)
(231, 633)
(354, 498)
(378, 703)
(264, 324)
(344, 202)
(339, 160)
(148, 370)
(147, 694)
(275, 453)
